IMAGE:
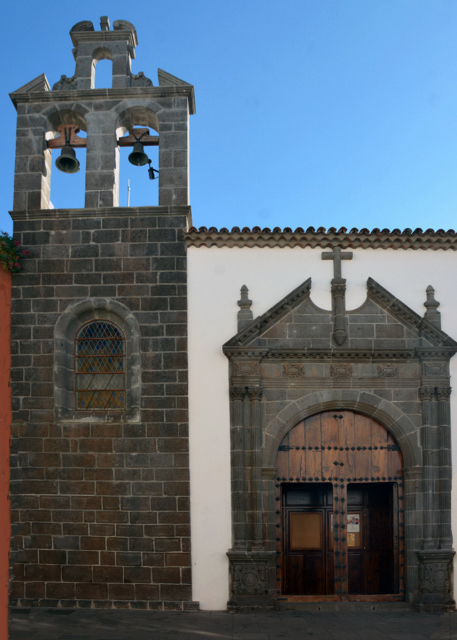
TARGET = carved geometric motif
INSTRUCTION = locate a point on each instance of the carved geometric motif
(246, 369)
(387, 370)
(293, 370)
(249, 578)
(340, 371)
(435, 577)
(436, 369)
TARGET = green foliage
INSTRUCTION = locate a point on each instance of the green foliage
(11, 253)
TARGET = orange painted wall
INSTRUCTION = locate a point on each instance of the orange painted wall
(5, 430)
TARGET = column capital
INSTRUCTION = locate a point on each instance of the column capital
(255, 393)
(426, 393)
(237, 393)
(443, 393)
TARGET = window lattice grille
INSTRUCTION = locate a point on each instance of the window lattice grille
(100, 367)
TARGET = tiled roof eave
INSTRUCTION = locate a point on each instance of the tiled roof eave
(311, 237)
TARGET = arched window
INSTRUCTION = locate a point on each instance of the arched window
(100, 367)
(97, 362)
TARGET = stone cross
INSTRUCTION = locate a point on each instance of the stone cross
(338, 293)
(337, 255)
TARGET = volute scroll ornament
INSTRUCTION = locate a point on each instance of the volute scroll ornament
(83, 25)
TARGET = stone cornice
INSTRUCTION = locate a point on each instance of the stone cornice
(102, 212)
(119, 35)
(186, 91)
(311, 237)
(347, 355)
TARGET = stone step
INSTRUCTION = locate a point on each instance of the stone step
(345, 606)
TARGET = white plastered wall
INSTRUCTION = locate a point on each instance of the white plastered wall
(215, 277)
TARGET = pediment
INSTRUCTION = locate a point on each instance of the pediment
(272, 317)
(40, 83)
(381, 325)
(168, 80)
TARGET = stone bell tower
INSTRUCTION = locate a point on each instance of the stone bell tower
(105, 115)
(100, 475)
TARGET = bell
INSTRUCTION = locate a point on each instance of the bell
(138, 156)
(67, 161)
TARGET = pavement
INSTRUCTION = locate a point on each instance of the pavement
(118, 624)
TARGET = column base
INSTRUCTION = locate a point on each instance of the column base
(435, 580)
(250, 576)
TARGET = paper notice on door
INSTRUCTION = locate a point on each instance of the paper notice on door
(353, 522)
(351, 539)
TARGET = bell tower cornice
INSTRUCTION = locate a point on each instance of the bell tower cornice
(179, 91)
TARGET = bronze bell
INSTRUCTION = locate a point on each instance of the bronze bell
(138, 156)
(67, 161)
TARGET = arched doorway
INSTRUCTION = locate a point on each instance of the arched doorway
(340, 515)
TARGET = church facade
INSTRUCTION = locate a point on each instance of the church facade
(211, 419)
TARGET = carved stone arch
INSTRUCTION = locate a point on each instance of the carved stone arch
(384, 412)
(64, 115)
(368, 404)
(141, 114)
(102, 53)
(65, 332)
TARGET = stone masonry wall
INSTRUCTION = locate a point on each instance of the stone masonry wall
(100, 509)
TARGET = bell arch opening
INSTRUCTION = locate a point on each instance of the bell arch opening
(340, 513)
(66, 185)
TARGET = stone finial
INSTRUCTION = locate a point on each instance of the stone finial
(245, 315)
(432, 314)
(104, 23)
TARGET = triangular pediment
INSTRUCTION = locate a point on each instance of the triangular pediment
(383, 323)
(40, 83)
(270, 318)
(409, 318)
(168, 80)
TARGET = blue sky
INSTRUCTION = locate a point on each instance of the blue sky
(309, 112)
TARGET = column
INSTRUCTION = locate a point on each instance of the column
(237, 434)
(444, 466)
(255, 396)
(428, 446)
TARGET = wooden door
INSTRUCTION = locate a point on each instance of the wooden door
(372, 539)
(307, 557)
(342, 539)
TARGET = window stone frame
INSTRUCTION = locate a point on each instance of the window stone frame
(72, 319)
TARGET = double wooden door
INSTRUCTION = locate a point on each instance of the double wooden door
(341, 519)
